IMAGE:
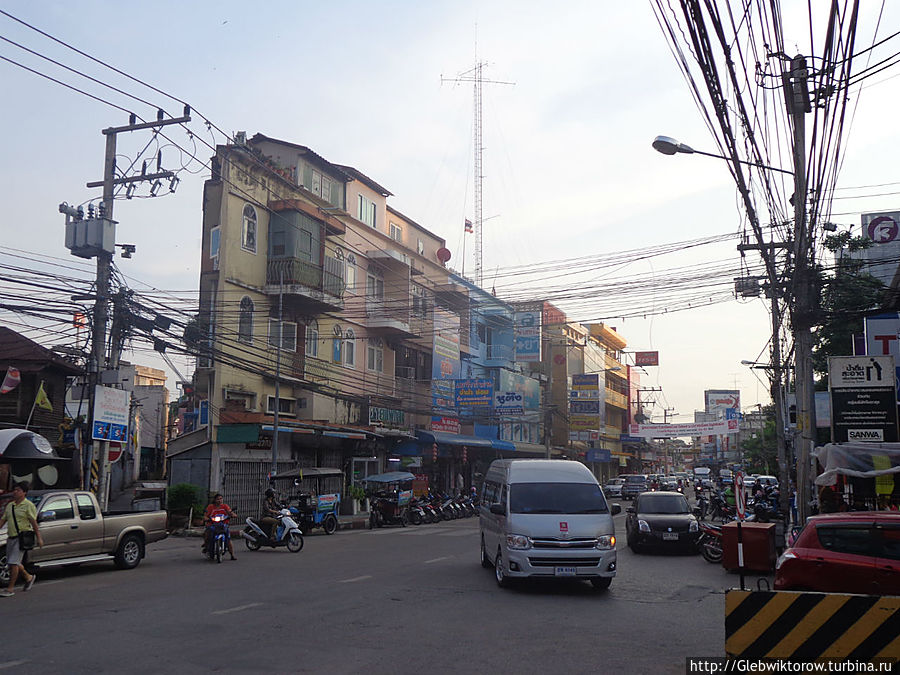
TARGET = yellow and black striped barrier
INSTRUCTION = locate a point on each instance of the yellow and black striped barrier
(810, 627)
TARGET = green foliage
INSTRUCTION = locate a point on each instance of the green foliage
(761, 452)
(181, 497)
(357, 492)
(847, 296)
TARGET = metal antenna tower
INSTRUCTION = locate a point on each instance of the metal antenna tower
(475, 75)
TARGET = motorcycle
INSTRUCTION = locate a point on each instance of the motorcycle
(416, 513)
(710, 542)
(286, 534)
(386, 510)
(218, 532)
(702, 506)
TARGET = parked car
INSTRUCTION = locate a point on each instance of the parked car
(767, 481)
(853, 552)
(613, 487)
(635, 484)
(75, 531)
(661, 520)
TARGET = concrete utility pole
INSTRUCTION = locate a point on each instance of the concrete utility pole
(804, 290)
(274, 468)
(104, 265)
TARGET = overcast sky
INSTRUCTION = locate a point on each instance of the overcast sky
(569, 171)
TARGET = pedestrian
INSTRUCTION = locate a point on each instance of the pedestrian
(21, 517)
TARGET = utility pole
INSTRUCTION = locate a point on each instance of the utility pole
(274, 468)
(804, 290)
(96, 238)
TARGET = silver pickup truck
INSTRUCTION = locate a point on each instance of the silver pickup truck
(75, 531)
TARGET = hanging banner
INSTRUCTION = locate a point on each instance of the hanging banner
(678, 430)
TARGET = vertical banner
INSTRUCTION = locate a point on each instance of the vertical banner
(528, 334)
(445, 370)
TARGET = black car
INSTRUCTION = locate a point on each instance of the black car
(661, 520)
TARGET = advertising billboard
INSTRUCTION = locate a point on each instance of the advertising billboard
(528, 334)
(445, 371)
(720, 400)
(863, 398)
(646, 358)
(881, 332)
(883, 229)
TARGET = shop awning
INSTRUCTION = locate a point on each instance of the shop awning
(333, 432)
(445, 438)
(498, 444)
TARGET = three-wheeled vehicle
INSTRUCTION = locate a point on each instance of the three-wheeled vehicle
(317, 491)
(389, 495)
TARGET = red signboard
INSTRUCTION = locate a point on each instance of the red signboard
(646, 358)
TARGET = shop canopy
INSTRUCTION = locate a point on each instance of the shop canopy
(21, 444)
(858, 460)
(390, 477)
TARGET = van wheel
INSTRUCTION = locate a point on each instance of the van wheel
(485, 561)
(601, 583)
(500, 572)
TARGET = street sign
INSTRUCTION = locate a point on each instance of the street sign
(110, 414)
(740, 498)
(115, 452)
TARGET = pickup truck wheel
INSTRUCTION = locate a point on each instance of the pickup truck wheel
(130, 552)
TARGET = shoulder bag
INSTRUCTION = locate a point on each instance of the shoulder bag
(26, 537)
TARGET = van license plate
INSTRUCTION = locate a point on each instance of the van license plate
(670, 536)
(566, 571)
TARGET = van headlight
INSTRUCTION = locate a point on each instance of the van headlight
(643, 526)
(694, 526)
(606, 542)
(518, 542)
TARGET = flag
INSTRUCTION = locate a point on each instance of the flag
(41, 400)
(469, 227)
(11, 381)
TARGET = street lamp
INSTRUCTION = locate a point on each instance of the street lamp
(669, 146)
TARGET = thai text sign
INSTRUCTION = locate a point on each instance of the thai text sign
(110, 414)
(646, 358)
(863, 403)
(509, 403)
(677, 430)
(528, 335)
(474, 393)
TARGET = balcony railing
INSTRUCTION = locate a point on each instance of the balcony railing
(617, 399)
(498, 352)
(387, 309)
(297, 272)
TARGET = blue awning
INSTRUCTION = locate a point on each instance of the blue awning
(445, 438)
(497, 444)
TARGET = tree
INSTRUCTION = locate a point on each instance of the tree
(847, 296)
(760, 451)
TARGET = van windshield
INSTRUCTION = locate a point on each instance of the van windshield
(567, 498)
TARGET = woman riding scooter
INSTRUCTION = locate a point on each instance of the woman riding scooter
(271, 508)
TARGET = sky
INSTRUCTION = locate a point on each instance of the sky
(569, 170)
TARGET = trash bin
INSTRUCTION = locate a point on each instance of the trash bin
(759, 546)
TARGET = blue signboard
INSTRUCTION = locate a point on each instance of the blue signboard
(598, 456)
(584, 406)
(474, 392)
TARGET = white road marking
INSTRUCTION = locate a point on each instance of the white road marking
(458, 533)
(12, 664)
(433, 560)
(350, 581)
(40, 583)
(240, 608)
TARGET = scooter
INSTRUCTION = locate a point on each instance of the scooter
(710, 542)
(218, 543)
(286, 534)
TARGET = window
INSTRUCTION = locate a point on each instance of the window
(337, 342)
(419, 301)
(248, 229)
(61, 506)
(245, 323)
(288, 335)
(374, 286)
(396, 232)
(376, 355)
(86, 507)
(366, 211)
(285, 405)
(326, 189)
(351, 273)
(312, 339)
(420, 247)
(857, 540)
(316, 183)
(349, 349)
(214, 243)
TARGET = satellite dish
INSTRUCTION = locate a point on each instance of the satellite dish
(443, 254)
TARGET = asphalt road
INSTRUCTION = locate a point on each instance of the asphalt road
(395, 600)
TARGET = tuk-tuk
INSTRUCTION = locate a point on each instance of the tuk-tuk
(317, 491)
(389, 498)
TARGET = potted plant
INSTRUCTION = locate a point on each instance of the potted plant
(359, 494)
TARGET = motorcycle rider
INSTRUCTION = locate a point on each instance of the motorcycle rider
(271, 508)
(216, 507)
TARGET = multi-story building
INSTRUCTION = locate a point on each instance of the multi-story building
(323, 305)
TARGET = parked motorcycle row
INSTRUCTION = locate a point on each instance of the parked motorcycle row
(433, 508)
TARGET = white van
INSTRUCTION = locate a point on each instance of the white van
(546, 518)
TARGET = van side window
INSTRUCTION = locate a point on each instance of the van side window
(503, 496)
(490, 492)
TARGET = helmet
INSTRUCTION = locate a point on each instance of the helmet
(270, 492)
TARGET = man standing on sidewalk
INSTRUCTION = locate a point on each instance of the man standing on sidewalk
(21, 516)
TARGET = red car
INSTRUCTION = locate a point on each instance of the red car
(855, 552)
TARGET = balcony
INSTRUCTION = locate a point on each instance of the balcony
(387, 317)
(322, 289)
(495, 355)
(377, 384)
(616, 399)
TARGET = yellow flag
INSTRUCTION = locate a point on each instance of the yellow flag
(42, 401)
